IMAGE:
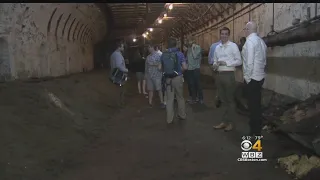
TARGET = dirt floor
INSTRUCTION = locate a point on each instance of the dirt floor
(70, 129)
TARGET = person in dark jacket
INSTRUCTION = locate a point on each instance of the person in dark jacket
(138, 66)
(242, 42)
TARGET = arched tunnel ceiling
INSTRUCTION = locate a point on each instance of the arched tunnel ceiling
(132, 19)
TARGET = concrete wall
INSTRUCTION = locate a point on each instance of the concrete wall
(292, 69)
(46, 39)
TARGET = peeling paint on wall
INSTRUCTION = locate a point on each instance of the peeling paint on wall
(38, 37)
(5, 70)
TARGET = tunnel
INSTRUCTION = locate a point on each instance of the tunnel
(60, 117)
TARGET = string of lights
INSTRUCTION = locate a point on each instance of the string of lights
(168, 7)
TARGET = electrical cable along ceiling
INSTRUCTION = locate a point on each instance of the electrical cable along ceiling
(154, 21)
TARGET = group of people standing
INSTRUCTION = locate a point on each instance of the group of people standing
(145, 64)
(224, 57)
(164, 72)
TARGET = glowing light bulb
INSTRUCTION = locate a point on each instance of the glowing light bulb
(134, 39)
(147, 33)
(144, 35)
(171, 6)
(165, 15)
(150, 29)
(160, 21)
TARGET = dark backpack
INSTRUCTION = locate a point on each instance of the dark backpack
(118, 77)
(170, 64)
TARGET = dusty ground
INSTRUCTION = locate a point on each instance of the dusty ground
(89, 138)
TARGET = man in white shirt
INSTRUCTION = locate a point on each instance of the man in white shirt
(158, 50)
(226, 57)
(254, 55)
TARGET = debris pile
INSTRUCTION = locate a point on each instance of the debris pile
(298, 119)
(299, 166)
(303, 110)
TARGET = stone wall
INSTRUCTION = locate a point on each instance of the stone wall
(46, 39)
(291, 69)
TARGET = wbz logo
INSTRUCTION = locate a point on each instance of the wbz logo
(250, 155)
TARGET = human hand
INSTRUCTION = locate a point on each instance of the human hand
(215, 67)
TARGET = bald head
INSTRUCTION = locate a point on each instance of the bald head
(251, 27)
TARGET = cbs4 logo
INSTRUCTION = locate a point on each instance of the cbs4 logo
(246, 145)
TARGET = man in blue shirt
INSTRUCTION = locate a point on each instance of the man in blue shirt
(210, 61)
(174, 86)
(117, 62)
(211, 52)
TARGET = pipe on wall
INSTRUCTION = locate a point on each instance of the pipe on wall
(311, 32)
(227, 20)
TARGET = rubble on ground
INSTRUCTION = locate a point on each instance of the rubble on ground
(301, 122)
(303, 110)
(299, 166)
(298, 119)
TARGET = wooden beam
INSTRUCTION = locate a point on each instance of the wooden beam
(223, 8)
(232, 5)
(182, 36)
(220, 13)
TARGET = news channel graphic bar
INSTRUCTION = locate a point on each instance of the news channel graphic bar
(251, 147)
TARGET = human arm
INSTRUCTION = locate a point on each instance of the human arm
(236, 55)
(182, 61)
(120, 64)
(145, 68)
(249, 51)
(160, 64)
(196, 52)
(215, 60)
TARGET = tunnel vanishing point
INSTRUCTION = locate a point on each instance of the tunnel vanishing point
(68, 128)
(41, 40)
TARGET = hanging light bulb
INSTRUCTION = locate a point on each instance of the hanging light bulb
(144, 35)
(159, 21)
(151, 29)
(171, 6)
(134, 39)
(147, 33)
(165, 15)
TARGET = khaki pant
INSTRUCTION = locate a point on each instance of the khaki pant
(226, 85)
(175, 88)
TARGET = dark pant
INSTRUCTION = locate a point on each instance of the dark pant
(194, 87)
(253, 95)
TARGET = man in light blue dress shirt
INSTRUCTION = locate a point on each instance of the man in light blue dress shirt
(210, 61)
(211, 52)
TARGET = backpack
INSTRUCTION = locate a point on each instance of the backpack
(118, 77)
(170, 64)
